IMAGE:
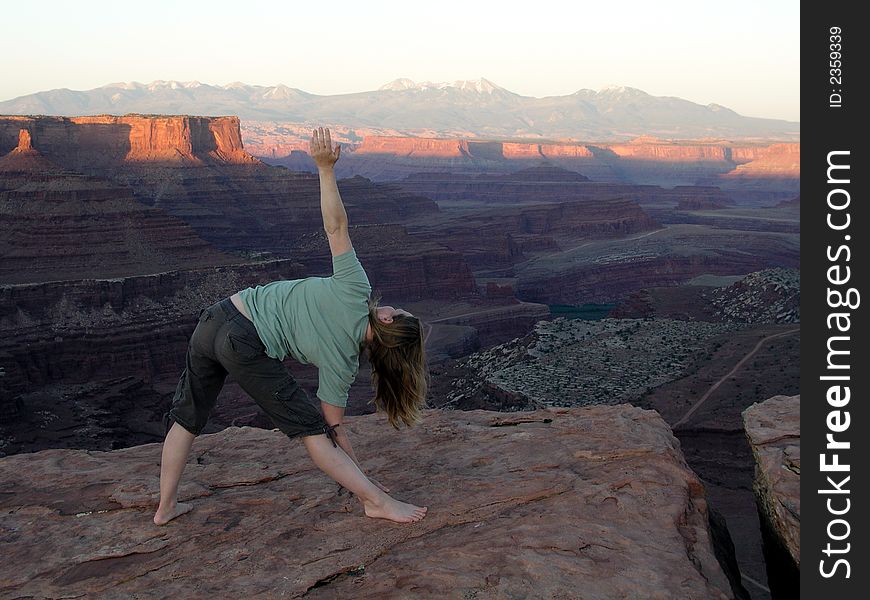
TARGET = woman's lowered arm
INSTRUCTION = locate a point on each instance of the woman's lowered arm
(335, 415)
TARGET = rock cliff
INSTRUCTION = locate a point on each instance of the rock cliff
(556, 503)
(776, 160)
(644, 160)
(89, 142)
(773, 430)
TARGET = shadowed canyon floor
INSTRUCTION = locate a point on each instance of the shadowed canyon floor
(555, 503)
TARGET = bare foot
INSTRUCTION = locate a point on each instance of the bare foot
(162, 517)
(394, 510)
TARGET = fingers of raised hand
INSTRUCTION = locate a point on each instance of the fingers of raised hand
(321, 144)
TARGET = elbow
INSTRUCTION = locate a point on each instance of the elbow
(334, 227)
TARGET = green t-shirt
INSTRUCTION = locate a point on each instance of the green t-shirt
(317, 320)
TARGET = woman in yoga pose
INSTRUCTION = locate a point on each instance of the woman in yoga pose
(326, 321)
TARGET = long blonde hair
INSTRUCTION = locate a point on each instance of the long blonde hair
(400, 375)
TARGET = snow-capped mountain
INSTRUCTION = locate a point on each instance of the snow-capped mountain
(480, 86)
(470, 107)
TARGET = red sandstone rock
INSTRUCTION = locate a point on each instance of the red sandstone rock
(565, 151)
(594, 502)
(24, 144)
(773, 429)
(776, 160)
(644, 160)
(91, 142)
(417, 147)
(24, 158)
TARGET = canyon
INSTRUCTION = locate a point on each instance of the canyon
(116, 231)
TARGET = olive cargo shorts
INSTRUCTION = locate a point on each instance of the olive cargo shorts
(226, 342)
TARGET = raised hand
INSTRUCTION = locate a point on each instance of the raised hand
(321, 149)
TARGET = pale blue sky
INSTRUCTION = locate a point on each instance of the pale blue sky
(741, 54)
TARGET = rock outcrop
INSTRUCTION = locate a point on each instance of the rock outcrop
(595, 502)
(104, 141)
(494, 220)
(24, 158)
(773, 429)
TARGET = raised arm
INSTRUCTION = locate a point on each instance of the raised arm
(334, 215)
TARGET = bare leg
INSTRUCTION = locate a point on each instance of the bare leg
(338, 465)
(176, 447)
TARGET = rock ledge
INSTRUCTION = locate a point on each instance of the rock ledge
(558, 503)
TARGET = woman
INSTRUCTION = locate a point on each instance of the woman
(326, 321)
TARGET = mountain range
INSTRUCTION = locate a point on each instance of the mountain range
(468, 107)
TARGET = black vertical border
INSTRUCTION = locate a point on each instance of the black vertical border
(825, 129)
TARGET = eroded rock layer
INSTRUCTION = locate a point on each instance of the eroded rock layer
(63, 225)
(82, 330)
(546, 503)
(604, 270)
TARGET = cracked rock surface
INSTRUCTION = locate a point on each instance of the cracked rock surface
(774, 432)
(593, 502)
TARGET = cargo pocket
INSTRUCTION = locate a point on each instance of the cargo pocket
(300, 409)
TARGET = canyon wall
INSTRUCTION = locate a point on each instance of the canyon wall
(127, 186)
(644, 160)
(76, 331)
(76, 142)
(62, 225)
